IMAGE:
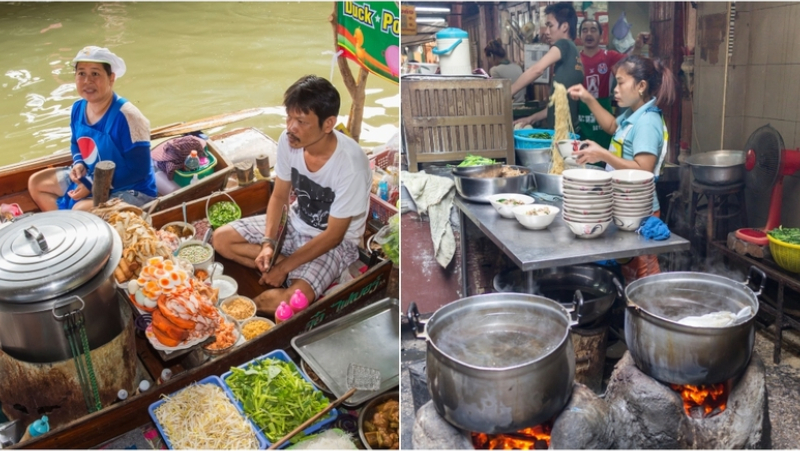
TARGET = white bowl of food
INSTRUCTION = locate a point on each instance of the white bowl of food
(200, 255)
(238, 307)
(255, 326)
(535, 217)
(587, 229)
(183, 230)
(226, 285)
(567, 146)
(505, 203)
(629, 223)
(632, 176)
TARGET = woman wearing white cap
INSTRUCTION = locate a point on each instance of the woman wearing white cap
(104, 127)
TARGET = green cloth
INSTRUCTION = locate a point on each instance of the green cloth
(569, 72)
(590, 129)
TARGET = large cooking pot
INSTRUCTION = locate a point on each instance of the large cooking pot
(687, 355)
(599, 287)
(479, 185)
(499, 362)
(718, 167)
(53, 264)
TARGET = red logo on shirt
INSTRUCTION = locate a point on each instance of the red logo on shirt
(88, 149)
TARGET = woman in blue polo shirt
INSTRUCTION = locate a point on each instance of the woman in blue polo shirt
(639, 136)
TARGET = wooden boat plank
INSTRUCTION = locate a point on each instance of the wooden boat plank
(115, 420)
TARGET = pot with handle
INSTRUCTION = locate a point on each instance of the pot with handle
(677, 353)
(501, 362)
(47, 261)
(452, 48)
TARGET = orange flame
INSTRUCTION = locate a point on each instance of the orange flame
(537, 437)
(706, 397)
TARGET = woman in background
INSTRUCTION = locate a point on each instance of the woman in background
(502, 67)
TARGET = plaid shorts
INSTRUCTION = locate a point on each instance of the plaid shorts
(321, 272)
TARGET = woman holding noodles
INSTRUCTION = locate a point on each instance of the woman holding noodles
(639, 136)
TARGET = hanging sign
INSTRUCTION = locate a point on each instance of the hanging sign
(369, 34)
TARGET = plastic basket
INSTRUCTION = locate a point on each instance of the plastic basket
(521, 140)
(213, 380)
(216, 224)
(786, 255)
(183, 178)
(283, 356)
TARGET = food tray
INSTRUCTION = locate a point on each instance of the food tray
(280, 354)
(213, 380)
(367, 337)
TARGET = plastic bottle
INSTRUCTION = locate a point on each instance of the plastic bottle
(194, 180)
(144, 385)
(298, 302)
(122, 395)
(166, 374)
(383, 190)
(192, 162)
(39, 427)
(283, 313)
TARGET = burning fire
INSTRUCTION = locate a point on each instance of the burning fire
(537, 437)
(703, 400)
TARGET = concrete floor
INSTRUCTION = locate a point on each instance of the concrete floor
(783, 386)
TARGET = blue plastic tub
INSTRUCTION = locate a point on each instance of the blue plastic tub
(263, 443)
(521, 140)
(280, 354)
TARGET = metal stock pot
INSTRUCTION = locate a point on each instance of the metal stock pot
(51, 265)
(499, 362)
(680, 354)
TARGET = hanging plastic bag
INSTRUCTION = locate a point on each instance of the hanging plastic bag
(623, 39)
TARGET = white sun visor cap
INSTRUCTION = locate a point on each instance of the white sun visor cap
(94, 54)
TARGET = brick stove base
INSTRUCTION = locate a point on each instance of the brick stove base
(583, 424)
(647, 414)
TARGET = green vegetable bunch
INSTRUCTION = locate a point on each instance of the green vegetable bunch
(787, 235)
(223, 212)
(390, 241)
(275, 396)
(538, 135)
(475, 160)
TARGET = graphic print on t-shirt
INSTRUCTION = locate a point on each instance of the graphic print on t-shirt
(88, 149)
(313, 201)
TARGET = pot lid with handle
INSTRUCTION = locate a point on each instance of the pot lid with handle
(49, 254)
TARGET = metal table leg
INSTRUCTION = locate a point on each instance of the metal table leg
(530, 282)
(776, 356)
(462, 219)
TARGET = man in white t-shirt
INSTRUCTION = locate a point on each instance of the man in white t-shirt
(330, 177)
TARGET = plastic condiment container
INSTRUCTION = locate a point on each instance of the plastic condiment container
(283, 313)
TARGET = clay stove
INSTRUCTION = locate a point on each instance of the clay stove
(637, 412)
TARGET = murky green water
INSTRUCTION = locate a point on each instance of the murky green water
(185, 61)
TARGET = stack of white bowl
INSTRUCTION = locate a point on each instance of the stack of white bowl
(587, 201)
(633, 191)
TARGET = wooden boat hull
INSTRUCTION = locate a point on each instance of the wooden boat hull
(117, 419)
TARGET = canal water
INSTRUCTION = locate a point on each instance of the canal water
(185, 61)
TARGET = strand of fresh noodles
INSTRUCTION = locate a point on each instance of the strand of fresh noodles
(563, 126)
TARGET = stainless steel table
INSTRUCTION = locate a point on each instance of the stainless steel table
(556, 245)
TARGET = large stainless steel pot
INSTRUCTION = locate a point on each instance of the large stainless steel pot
(549, 183)
(681, 354)
(499, 362)
(599, 287)
(478, 189)
(718, 167)
(52, 264)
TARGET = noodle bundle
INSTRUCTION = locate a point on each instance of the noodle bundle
(563, 126)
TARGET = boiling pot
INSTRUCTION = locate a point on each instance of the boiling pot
(599, 287)
(498, 363)
(681, 354)
(51, 265)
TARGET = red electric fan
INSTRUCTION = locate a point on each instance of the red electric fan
(767, 162)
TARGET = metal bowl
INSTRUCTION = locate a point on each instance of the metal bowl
(718, 167)
(530, 157)
(549, 183)
(367, 412)
(478, 189)
(486, 170)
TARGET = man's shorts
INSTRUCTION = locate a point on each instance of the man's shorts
(321, 272)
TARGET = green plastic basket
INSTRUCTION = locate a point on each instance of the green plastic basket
(183, 178)
(216, 224)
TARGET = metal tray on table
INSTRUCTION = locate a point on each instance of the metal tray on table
(369, 337)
